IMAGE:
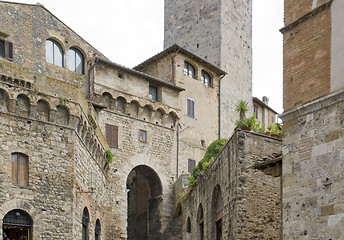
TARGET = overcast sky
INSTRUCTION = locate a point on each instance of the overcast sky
(130, 31)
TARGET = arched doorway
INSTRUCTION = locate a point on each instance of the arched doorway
(16, 225)
(144, 204)
(217, 213)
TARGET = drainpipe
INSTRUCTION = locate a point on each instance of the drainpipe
(177, 167)
(172, 65)
(219, 108)
(89, 78)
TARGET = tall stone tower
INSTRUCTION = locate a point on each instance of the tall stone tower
(220, 32)
(313, 87)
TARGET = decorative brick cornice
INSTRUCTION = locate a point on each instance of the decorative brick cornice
(306, 17)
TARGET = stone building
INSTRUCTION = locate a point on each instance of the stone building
(263, 113)
(64, 107)
(313, 120)
(221, 33)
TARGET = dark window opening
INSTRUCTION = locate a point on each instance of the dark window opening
(97, 230)
(2, 48)
(85, 220)
(16, 225)
(153, 93)
(255, 109)
(191, 165)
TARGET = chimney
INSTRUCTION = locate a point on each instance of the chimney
(265, 100)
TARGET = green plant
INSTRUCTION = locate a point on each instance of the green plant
(241, 107)
(109, 156)
(257, 127)
(213, 175)
(63, 101)
(213, 150)
(275, 129)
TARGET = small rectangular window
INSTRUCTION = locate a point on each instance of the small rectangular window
(9, 50)
(190, 108)
(143, 136)
(153, 93)
(2, 48)
(111, 132)
(191, 165)
(255, 110)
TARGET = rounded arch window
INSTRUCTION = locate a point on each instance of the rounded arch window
(206, 78)
(54, 52)
(75, 60)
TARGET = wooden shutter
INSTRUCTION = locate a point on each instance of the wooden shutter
(111, 132)
(15, 168)
(9, 50)
(23, 170)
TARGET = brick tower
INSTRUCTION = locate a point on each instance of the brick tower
(313, 152)
(221, 33)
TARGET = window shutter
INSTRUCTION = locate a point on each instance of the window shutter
(111, 132)
(190, 111)
(23, 170)
(15, 168)
(9, 50)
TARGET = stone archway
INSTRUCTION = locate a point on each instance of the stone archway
(17, 225)
(144, 204)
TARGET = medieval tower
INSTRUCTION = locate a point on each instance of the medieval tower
(313, 120)
(221, 33)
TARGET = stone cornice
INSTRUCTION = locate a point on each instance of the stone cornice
(315, 105)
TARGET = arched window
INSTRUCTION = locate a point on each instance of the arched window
(200, 220)
(85, 221)
(20, 169)
(97, 230)
(188, 229)
(189, 70)
(54, 52)
(16, 225)
(205, 78)
(75, 60)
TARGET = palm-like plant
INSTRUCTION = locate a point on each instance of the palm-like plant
(241, 107)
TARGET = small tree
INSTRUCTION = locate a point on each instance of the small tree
(241, 107)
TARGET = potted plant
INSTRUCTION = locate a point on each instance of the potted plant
(246, 124)
(275, 130)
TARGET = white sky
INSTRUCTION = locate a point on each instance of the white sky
(130, 31)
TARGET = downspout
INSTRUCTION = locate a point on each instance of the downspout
(219, 108)
(172, 66)
(93, 64)
(177, 168)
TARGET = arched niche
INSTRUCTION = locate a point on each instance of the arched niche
(42, 110)
(120, 104)
(62, 115)
(159, 116)
(171, 119)
(144, 204)
(147, 113)
(4, 100)
(106, 99)
(134, 108)
(22, 107)
(188, 229)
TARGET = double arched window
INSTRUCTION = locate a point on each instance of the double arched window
(55, 55)
(75, 60)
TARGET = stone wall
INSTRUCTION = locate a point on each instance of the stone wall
(251, 199)
(312, 170)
